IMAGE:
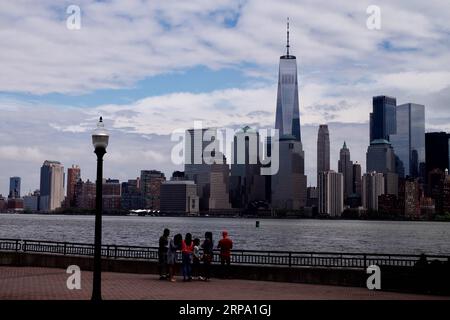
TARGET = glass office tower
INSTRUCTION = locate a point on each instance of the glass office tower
(288, 115)
(14, 187)
(383, 118)
(409, 142)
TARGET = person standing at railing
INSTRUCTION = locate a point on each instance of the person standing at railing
(174, 247)
(208, 247)
(187, 248)
(225, 245)
(162, 255)
(196, 257)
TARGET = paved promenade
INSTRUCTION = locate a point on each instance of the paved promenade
(29, 283)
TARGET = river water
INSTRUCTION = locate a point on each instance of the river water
(273, 234)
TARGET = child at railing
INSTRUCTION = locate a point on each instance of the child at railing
(196, 260)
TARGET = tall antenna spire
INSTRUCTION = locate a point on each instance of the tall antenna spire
(287, 45)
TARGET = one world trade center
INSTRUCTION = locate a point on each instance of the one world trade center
(288, 115)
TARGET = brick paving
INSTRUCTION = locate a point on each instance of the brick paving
(30, 283)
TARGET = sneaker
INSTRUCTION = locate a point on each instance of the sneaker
(201, 278)
(173, 280)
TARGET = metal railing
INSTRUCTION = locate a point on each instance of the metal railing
(244, 257)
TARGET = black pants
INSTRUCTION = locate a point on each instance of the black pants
(207, 266)
(225, 266)
(162, 264)
(196, 267)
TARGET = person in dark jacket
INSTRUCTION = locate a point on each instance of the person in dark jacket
(225, 245)
(174, 247)
(162, 255)
(208, 247)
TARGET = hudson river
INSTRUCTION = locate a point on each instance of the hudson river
(273, 234)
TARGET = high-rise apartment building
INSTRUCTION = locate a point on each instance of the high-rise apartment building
(150, 182)
(51, 186)
(73, 175)
(111, 195)
(331, 193)
(372, 187)
(85, 194)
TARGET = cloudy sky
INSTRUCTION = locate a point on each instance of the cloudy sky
(150, 67)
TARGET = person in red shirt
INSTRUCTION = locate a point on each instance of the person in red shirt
(187, 248)
(225, 245)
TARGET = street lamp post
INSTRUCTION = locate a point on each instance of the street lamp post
(100, 140)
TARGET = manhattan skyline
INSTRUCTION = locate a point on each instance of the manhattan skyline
(168, 73)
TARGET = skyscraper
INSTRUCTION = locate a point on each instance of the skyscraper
(437, 151)
(383, 118)
(150, 184)
(331, 193)
(323, 149)
(288, 114)
(202, 165)
(409, 141)
(131, 198)
(372, 188)
(357, 179)
(345, 166)
(111, 195)
(380, 157)
(246, 182)
(52, 186)
(73, 175)
(14, 187)
(289, 184)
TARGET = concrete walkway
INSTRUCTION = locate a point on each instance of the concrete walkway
(28, 283)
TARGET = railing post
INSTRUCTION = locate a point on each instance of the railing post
(17, 245)
(24, 246)
(115, 252)
(365, 261)
(290, 259)
(65, 248)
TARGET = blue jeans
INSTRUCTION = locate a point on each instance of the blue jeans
(187, 266)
